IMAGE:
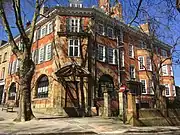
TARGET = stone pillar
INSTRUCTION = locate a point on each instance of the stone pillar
(131, 111)
(120, 104)
(106, 108)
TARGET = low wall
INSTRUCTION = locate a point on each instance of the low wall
(50, 111)
(154, 117)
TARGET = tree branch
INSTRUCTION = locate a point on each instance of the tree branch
(7, 29)
(137, 12)
(17, 11)
(36, 14)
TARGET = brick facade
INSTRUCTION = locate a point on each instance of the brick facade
(93, 40)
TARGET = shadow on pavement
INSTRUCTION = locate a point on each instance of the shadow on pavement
(67, 133)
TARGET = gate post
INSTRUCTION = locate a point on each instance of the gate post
(131, 111)
(106, 109)
(120, 104)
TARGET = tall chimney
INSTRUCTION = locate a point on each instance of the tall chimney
(117, 11)
(145, 28)
(105, 5)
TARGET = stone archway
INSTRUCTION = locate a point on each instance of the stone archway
(106, 101)
(72, 79)
(106, 82)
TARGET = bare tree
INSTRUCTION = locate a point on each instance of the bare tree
(162, 17)
(27, 66)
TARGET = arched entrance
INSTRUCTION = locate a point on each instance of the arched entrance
(74, 78)
(106, 101)
(106, 83)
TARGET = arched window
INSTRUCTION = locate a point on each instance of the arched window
(42, 87)
(12, 92)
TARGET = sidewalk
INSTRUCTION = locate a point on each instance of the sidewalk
(90, 125)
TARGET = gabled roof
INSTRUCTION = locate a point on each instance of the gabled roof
(72, 70)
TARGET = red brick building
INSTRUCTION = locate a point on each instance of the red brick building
(80, 53)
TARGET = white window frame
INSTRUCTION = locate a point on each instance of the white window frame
(76, 5)
(145, 85)
(35, 56)
(151, 86)
(113, 55)
(148, 62)
(17, 65)
(167, 86)
(140, 63)
(131, 48)
(73, 26)
(101, 33)
(49, 28)
(132, 71)
(73, 46)
(41, 55)
(48, 52)
(174, 90)
(43, 31)
(164, 67)
(103, 53)
(112, 32)
(13, 68)
(34, 38)
(122, 58)
(171, 70)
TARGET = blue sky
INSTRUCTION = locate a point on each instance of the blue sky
(168, 19)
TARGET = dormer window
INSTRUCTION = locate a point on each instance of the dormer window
(74, 24)
(76, 3)
(110, 32)
(101, 29)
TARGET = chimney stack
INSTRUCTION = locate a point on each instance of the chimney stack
(105, 5)
(145, 28)
(117, 11)
(43, 9)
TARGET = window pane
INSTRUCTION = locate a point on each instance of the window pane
(100, 52)
(70, 51)
(143, 86)
(132, 72)
(141, 63)
(110, 32)
(76, 42)
(42, 90)
(131, 51)
(76, 51)
(110, 53)
(100, 29)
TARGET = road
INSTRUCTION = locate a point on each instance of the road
(47, 124)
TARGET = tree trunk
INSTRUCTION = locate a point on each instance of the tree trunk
(157, 97)
(26, 73)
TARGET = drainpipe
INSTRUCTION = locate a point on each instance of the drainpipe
(120, 94)
(122, 97)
